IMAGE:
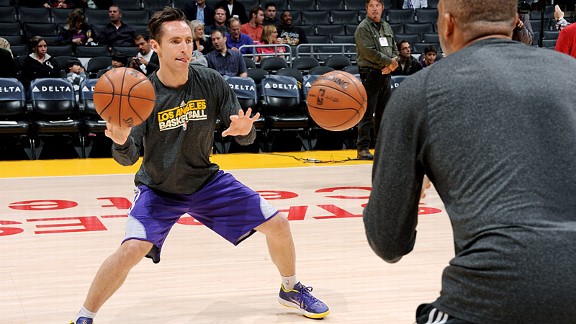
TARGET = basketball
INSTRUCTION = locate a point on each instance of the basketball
(337, 101)
(124, 97)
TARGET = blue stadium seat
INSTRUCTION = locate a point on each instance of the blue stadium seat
(14, 119)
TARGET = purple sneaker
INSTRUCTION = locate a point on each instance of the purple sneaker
(83, 320)
(300, 297)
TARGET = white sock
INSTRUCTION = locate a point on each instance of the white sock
(85, 313)
(289, 282)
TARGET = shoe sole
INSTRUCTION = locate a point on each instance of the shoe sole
(290, 304)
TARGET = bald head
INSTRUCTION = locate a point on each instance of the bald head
(471, 20)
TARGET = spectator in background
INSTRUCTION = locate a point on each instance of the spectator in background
(291, 35)
(230, 63)
(429, 56)
(39, 64)
(566, 42)
(559, 17)
(254, 27)
(377, 57)
(233, 8)
(198, 10)
(407, 64)
(219, 20)
(75, 73)
(270, 37)
(523, 31)
(146, 61)
(116, 32)
(75, 31)
(415, 4)
(200, 42)
(118, 60)
(235, 39)
(8, 67)
(61, 4)
(270, 14)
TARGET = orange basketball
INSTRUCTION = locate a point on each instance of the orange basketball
(124, 97)
(337, 101)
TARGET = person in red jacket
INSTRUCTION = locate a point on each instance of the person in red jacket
(566, 42)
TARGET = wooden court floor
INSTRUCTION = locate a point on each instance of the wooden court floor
(59, 219)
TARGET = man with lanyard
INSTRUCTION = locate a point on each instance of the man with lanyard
(377, 57)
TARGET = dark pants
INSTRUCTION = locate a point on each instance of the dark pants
(426, 313)
(378, 89)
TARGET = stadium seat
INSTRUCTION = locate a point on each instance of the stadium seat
(249, 62)
(284, 112)
(396, 80)
(305, 63)
(246, 91)
(295, 73)
(92, 51)
(155, 5)
(59, 15)
(418, 28)
(411, 38)
(55, 112)
(330, 5)
(126, 5)
(334, 29)
(343, 17)
(343, 39)
(135, 17)
(34, 15)
(94, 126)
(257, 74)
(273, 64)
(319, 70)
(427, 15)
(96, 64)
(97, 16)
(431, 38)
(61, 50)
(395, 16)
(8, 14)
(315, 17)
(419, 47)
(302, 5)
(355, 4)
(337, 62)
(14, 120)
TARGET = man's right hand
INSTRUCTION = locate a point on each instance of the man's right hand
(117, 134)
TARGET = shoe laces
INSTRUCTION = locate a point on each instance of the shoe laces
(305, 296)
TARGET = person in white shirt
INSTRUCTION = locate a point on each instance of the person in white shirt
(146, 61)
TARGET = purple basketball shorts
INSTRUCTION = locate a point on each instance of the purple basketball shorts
(224, 204)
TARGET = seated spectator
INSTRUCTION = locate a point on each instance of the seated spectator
(226, 62)
(254, 27)
(39, 64)
(76, 31)
(198, 10)
(146, 61)
(523, 31)
(234, 8)
(270, 37)
(75, 73)
(270, 14)
(406, 63)
(559, 17)
(200, 42)
(61, 4)
(235, 39)
(291, 35)
(116, 32)
(198, 59)
(219, 20)
(429, 56)
(415, 4)
(8, 67)
(118, 60)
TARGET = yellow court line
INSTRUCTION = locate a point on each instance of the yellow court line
(71, 167)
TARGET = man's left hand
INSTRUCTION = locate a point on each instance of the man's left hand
(241, 124)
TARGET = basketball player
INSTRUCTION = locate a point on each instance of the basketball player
(502, 157)
(177, 177)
